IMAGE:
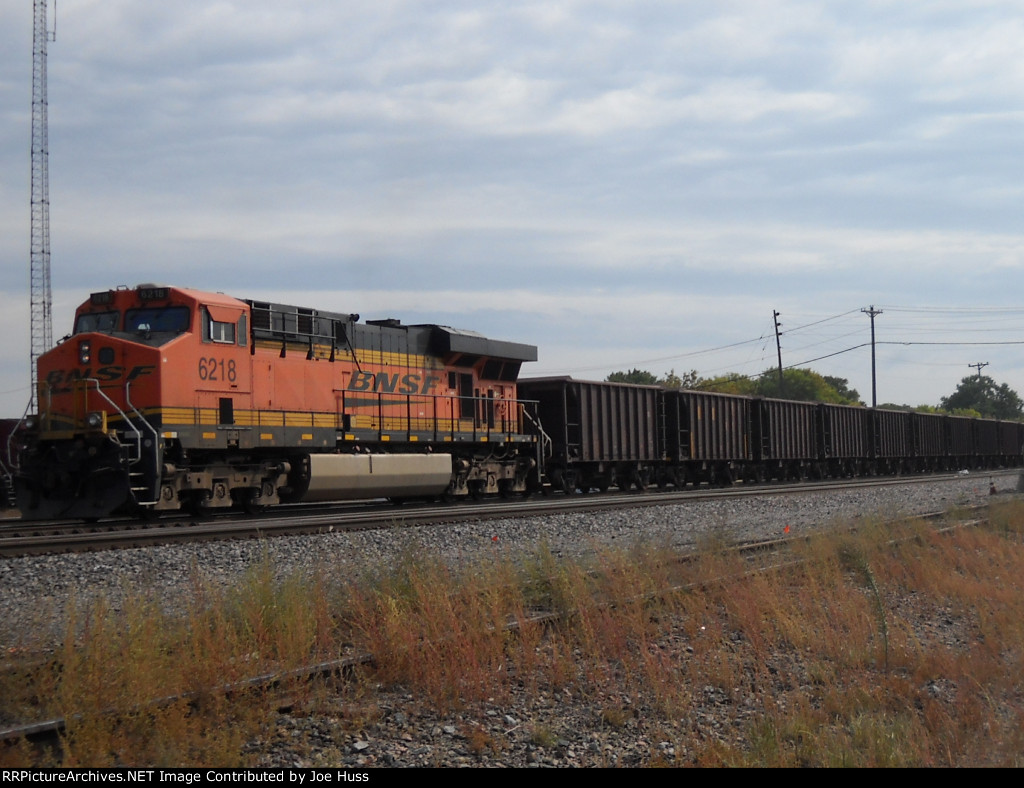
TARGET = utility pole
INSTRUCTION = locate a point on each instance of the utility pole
(40, 299)
(778, 348)
(872, 312)
(979, 366)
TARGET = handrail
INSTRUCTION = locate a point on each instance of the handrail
(156, 439)
(127, 421)
(546, 443)
(115, 406)
(15, 461)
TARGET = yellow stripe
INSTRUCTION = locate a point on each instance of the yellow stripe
(177, 417)
(410, 360)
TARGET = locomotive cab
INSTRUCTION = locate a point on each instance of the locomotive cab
(96, 445)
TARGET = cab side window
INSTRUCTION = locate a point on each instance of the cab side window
(222, 332)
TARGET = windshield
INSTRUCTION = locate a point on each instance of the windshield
(168, 319)
(102, 322)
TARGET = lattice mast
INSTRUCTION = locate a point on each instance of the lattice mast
(41, 324)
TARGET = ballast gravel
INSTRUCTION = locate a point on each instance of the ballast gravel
(34, 591)
(399, 729)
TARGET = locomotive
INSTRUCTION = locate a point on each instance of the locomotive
(166, 398)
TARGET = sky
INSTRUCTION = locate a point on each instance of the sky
(624, 185)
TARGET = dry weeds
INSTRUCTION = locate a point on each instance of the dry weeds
(876, 649)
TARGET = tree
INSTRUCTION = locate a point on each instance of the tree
(670, 379)
(800, 384)
(730, 383)
(842, 387)
(640, 377)
(981, 394)
(807, 386)
(689, 380)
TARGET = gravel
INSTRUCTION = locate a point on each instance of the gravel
(35, 590)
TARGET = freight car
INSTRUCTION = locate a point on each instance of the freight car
(616, 434)
(166, 398)
(601, 434)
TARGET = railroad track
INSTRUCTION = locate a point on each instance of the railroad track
(43, 537)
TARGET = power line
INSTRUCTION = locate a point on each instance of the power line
(830, 355)
(904, 327)
(965, 344)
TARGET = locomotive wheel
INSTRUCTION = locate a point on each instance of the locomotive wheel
(195, 507)
(250, 502)
(146, 513)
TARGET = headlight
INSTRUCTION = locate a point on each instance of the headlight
(31, 422)
(95, 420)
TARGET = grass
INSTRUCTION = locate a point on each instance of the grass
(880, 648)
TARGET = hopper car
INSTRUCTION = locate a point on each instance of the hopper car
(606, 434)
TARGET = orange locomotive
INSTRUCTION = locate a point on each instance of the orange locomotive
(166, 398)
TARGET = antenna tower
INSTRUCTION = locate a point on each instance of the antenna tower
(39, 261)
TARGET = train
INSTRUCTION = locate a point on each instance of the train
(168, 399)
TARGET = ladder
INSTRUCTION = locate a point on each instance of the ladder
(8, 487)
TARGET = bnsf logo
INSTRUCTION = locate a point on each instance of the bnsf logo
(411, 383)
(63, 378)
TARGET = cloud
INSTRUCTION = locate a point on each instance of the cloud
(588, 175)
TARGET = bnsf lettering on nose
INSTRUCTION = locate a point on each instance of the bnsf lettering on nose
(410, 383)
(65, 377)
